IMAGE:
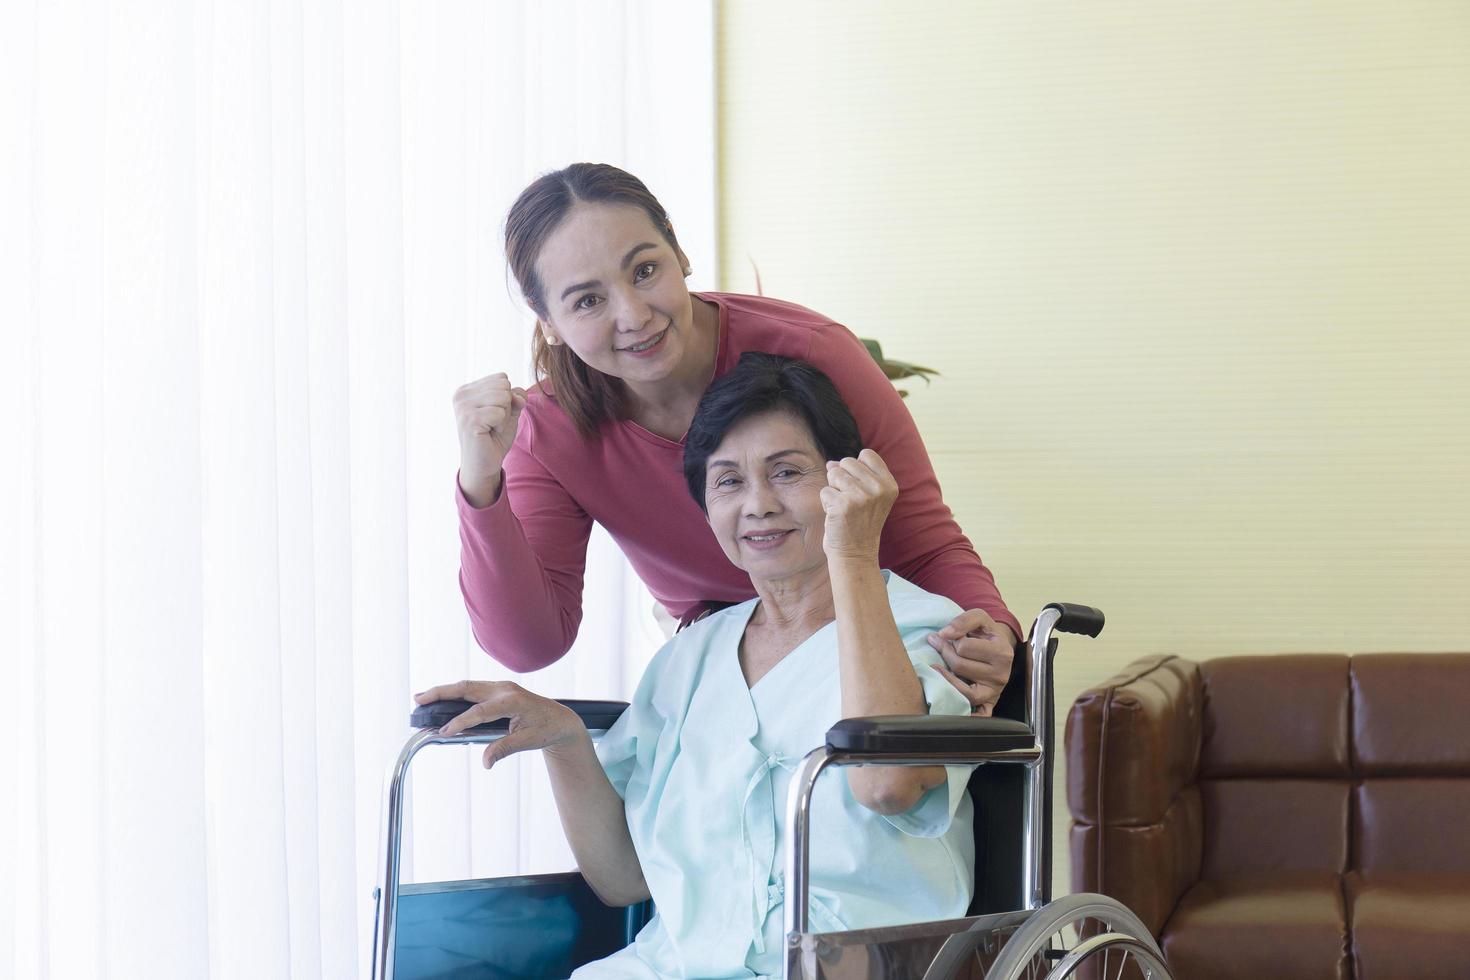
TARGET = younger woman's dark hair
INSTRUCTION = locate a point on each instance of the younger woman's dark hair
(588, 396)
(763, 383)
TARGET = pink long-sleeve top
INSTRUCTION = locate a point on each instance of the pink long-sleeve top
(523, 556)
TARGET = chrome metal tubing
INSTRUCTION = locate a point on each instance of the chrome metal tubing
(1036, 717)
(798, 806)
(385, 932)
(798, 838)
(803, 781)
(798, 814)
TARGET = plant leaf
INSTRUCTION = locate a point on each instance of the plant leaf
(895, 370)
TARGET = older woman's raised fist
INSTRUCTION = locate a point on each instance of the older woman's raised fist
(857, 498)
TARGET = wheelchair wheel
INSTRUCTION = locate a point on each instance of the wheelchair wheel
(1094, 931)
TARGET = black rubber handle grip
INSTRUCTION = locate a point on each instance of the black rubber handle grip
(594, 714)
(1077, 618)
(929, 734)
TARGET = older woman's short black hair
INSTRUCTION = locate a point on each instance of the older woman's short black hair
(763, 383)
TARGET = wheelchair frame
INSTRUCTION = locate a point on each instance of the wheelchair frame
(1033, 758)
(1070, 932)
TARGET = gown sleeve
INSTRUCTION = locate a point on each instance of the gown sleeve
(931, 816)
(640, 726)
(617, 750)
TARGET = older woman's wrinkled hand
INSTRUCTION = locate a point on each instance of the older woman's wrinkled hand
(535, 722)
(977, 653)
(857, 498)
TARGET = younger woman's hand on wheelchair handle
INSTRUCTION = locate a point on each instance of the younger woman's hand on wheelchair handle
(535, 722)
(977, 653)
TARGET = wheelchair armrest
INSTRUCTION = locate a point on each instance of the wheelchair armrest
(594, 714)
(928, 735)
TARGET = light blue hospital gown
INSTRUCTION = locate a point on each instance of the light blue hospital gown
(703, 764)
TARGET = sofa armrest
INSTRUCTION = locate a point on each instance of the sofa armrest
(1133, 747)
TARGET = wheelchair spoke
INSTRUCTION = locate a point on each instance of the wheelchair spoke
(1076, 930)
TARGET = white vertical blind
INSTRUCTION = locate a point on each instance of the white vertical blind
(248, 251)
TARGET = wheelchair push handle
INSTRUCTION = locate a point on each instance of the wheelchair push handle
(596, 715)
(1076, 618)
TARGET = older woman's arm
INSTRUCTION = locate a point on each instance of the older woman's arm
(596, 824)
(877, 679)
(876, 673)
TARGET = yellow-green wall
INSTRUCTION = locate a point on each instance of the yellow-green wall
(1197, 277)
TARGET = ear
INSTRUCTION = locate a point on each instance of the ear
(684, 265)
(548, 333)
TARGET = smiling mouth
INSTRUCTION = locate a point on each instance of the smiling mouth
(650, 342)
(765, 537)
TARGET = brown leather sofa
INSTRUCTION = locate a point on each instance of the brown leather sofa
(1282, 816)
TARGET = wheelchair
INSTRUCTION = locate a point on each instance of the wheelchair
(548, 925)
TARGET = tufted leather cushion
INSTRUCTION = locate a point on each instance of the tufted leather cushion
(1325, 815)
(1274, 825)
(1289, 924)
(1409, 925)
(1145, 866)
(1275, 716)
(1412, 825)
(1411, 714)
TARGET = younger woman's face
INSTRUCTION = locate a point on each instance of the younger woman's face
(615, 293)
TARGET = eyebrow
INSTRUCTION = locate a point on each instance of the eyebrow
(627, 261)
(769, 459)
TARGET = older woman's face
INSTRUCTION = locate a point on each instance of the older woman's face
(763, 495)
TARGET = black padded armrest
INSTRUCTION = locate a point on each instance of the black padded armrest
(928, 734)
(594, 714)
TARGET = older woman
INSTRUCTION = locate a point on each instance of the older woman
(685, 802)
(623, 353)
